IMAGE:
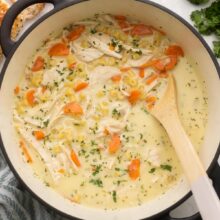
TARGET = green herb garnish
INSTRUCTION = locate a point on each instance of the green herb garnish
(114, 196)
(97, 182)
(166, 167)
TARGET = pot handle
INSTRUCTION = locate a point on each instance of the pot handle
(5, 33)
(215, 176)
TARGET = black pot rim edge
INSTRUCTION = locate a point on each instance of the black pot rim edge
(63, 6)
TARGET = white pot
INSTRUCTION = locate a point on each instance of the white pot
(64, 13)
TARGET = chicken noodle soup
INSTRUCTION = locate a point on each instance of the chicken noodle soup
(81, 111)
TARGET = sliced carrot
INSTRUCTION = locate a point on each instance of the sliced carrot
(76, 33)
(81, 86)
(160, 64)
(174, 50)
(150, 99)
(141, 30)
(148, 64)
(151, 78)
(75, 158)
(125, 69)
(25, 152)
(39, 135)
(116, 78)
(134, 96)
(172, 63)
(142, 72)
(59, 49)
(134, 169)
(72, 66)
(114, 144)
(16, 90)
(30, 96)
(38, 64)
(120, 17)
(164, 64)
(61, 170)
(73, 108)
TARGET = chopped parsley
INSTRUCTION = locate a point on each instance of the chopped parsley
(60, 72)
(152, 170)
(166, 167)
(96, 182)
(135, 43)
(97, 170)
(116, 113)
(46, 123)
(93, 31)
(95, 151)
(114, 196)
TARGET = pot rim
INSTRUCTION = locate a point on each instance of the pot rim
(58, 8)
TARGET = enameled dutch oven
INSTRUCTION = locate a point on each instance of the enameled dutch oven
(64, 13)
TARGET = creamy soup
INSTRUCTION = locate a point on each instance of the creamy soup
(82, 111)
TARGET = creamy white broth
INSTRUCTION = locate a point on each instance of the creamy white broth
(70, 150)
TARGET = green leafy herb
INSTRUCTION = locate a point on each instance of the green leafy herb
(97, 170)
(207, 20)
(114, 196)
(166, 167)
(152, 170)
(135, 43)
(95, 151)
(46, 123)
(217, 48)
(116, 113)
(93, 31)
(198, 2)
(97, 182)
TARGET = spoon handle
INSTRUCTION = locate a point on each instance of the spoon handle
(203, 191)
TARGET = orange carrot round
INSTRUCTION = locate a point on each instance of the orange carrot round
(134, 96)
(174, 50)
(38, 64)
(59, 49)
(73, 108)
(134, 169)
(81, 86)
(39, 135)
(75, 158)
(30, 96)
(116, 78)
(76, 33)
(114, 144)
(141, 30)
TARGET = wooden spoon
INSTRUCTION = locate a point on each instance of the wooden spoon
(205, 196)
